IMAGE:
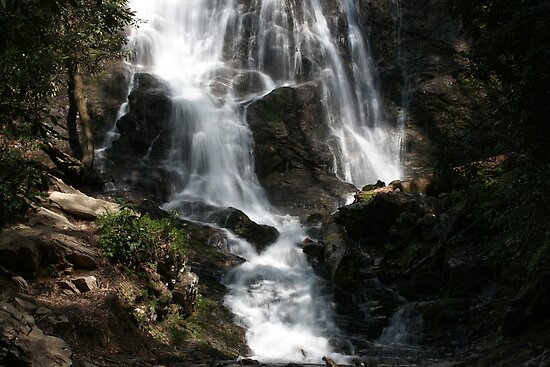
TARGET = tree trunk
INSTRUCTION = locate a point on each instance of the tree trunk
(87, 140)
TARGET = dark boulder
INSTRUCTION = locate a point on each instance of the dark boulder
(239, 223)
(148, 115)
(135, 157)
(293, 160)
(373, 219)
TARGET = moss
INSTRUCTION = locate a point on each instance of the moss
(366, 195)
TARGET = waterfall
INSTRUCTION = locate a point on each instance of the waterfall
(202, 49)
(401, 61)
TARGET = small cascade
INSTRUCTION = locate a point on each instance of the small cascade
(112, 134)
(217, 56)
(404, 329)
(405, 74)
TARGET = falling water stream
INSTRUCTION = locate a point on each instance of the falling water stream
(202, 49)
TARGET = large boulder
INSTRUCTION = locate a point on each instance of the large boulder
(366, 245)
(149, 110)
(239, 223)
(135, 157)
(293, 160)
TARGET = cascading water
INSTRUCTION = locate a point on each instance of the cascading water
(405, 74)
(204, 49)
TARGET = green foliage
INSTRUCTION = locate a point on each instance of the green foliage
(140, 242)
(40, 40)
(21, 182)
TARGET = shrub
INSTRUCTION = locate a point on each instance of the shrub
(142, 243)
(21, 182)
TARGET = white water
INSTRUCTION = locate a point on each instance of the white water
(202, 49)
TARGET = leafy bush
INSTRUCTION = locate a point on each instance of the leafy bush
(21, 181)
(142, 243)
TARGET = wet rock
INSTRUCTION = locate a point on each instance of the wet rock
(82, 206)
(249, 362)
(149, 110)
(428, 51)
(248, 83)
(329, 362)
(446, 364)
(338, 256)
(372, 219)
(238, 222)
(315, 254)
(293, 160)
(135, 157)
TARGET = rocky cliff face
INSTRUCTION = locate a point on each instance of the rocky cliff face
(422, 59)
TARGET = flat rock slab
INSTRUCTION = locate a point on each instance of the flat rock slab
(48, 218)
(38, 349)
(82, 206)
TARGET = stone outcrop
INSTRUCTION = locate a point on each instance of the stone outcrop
(31, 250)
(421, 56)
(106, 91)
(293, 159)
(144, 134)
(23, 343)
(150, 108)
(370, 244)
